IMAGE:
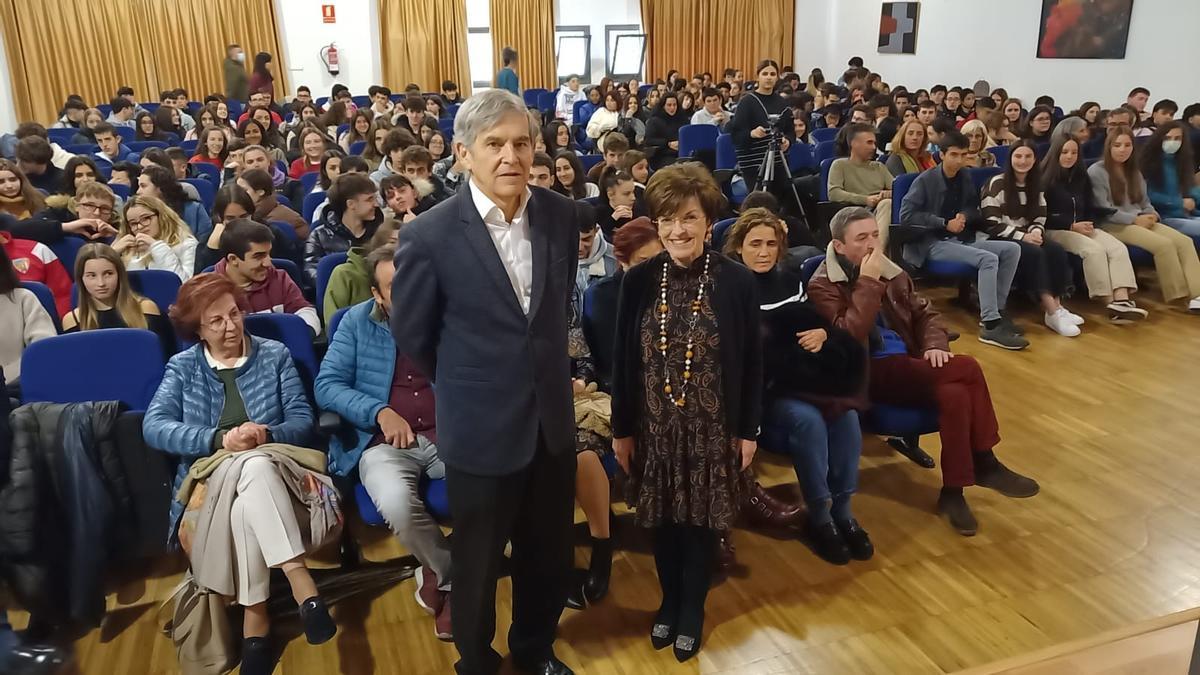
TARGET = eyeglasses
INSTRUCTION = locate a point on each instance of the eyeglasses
(142, 223)
(689, 221)
(218, 323)
(98, 209)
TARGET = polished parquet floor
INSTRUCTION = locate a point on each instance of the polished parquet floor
(1106, 422)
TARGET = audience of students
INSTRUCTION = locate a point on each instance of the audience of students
(267, 209)
(160, 183)
(153, 237)
(350, 282)
(1167, 163)
(106, 299)
(350, 220)
(246, 260)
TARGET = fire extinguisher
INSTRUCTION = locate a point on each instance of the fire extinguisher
(329, 55)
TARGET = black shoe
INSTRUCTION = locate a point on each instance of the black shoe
(686, 647)
(595, 585)
(35, 660)
(1007, 482)
(856, 539)
(548, 666)
(910, 448)
(576, 598)
(258, 658)
(955, 509)
(318, 625)
(662, 635)
(828, 544)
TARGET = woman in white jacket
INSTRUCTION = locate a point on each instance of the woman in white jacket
(23, 320)
(568, 94)
(153, 237)
(605, 119)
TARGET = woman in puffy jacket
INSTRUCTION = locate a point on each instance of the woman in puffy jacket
(662, 132)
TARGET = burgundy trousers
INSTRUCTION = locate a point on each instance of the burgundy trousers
(960, 393)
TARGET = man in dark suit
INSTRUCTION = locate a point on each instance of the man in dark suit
(480, 297)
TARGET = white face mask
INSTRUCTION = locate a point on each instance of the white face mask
(1171, 147)
(241, 57)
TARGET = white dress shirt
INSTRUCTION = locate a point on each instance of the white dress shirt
(512, 242)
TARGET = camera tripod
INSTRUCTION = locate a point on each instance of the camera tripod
(766, 171)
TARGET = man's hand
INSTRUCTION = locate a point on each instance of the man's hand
(872, 266)
(784, 144)
(91, 228)
(812, 340)
(1033, 237)
(938, 357)
(396, 430)
(623, 450)
(409, 216)
(758, 132)
(674, 145)
(578, 386)
(1085, 227)
(873, 200)
(747, 450)
(956, 224)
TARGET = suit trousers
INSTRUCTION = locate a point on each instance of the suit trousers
(266, 529)
(533, 508)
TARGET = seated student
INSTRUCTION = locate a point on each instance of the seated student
(1069, 207)
(234, 393)
(662, 132)
(817, 374)
(169, 121)
(1039, 124)
(350, 220)
(909, 150)
(212, 148)
(1071, 127)
(259, 99)
(312, 147)
(615, 147)
(799, 241)
(232, 203)
(18, 197)
(89, 206)
(360, 127)
(153, 237)
(1014, 208)
(606, 119)
(34, 261)
(350, 164)
(940, 127)
(977, 144)
(87, 134)
(439, 146)
(416, 164)
(451, 171)
(331, 167)
(111, 148)
(864, 293)
(541, 171)
(246, 250)
(122, 113)
(569, 178)
(565, 98)
(160, 157)
(1120, 195)
(859, 179)
(267, 209)
(258, 157)
(183, 167)
(1167, 164)
(450, 92)
(106, 300)
(208, 117)
(412, 118)
(381, 103)
(712, 112)
(635, 164)
(619, 202)
(177, 103)
(632, 124)
(72, 114)
(596, 259)
(34, 156)
(944, 205)
(885, 119)
(350, 282)
(862, 114)
(950, 105)
(404, 199)
(927, 112)
(146, 129)
(394, 145)
(390, 404)
(374, 153)
(23, 320)
(256, 134)
(161, 183)
(557, 137)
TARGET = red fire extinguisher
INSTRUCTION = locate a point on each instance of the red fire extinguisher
(329, 54)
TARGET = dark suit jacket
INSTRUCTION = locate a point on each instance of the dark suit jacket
(501, 377)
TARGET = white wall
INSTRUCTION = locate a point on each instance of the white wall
(356, 34)
(961, 41)
(597, 14)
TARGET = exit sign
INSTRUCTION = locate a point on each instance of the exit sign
(328, 14)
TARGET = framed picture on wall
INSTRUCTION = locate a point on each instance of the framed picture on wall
(1084, 29)
(898, 27)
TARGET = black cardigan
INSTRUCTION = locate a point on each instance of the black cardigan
(1069, 201)
(734, 298)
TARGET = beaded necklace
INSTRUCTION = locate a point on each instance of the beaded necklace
(663, 309)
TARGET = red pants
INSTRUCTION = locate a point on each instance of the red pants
(960, 392)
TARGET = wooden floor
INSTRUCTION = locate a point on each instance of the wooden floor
(1106, 422)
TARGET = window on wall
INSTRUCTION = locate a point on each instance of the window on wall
(573, 45)
(624, 51)
(479, 57)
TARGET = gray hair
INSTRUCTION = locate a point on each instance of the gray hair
(842, 219)
(484, 110)
(1067, 128)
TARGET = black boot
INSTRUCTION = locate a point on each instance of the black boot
(699, 550)
(318, 625)
(667, 558)
(599, 570)
(258, 656)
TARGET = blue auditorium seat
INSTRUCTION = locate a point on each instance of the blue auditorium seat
(311, 201)
(310, 179)
(46, 298)
(825, 150)
(208, 172)
(356, 148)
(324, 271)
(694, 137)
(294, 334)
(335, 321)
(588, 161)
(726, 153)
(72, 368)
(206, 189)
(66, 249)
(823, 135)
(720, 229)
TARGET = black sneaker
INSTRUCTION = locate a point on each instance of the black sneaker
(828, 544)
(258, 657)
(856, 539)
(318, 625)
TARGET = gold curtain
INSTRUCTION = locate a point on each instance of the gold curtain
(694, 36)
(528, 27)
(90, 48)
(424, 41)
(184, 42)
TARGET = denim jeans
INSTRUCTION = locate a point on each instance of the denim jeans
(825, 455)
(1189, 226)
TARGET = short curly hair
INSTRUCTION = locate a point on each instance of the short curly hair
(197, 293)
(750, 219)
(671, 186)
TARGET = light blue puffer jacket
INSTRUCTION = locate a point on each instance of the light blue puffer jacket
(182, 417)
(355, 382)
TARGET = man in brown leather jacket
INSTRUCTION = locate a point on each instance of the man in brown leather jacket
(861, 291)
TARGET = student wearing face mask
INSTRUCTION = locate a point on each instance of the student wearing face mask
(1166, 162)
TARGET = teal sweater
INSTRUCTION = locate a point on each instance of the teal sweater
(1165, 196)
(507, 79)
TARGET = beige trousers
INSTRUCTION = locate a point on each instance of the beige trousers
(883, 216)
(266, 530)
(1174, 256)
(1106, 263)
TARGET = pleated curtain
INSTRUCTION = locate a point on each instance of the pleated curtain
(528, 27)
(424, 41)
(694, 36)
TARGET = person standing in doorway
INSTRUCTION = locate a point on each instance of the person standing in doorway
(499, 254)
(506, 78)
(237, 83)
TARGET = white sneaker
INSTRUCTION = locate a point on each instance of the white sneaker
(1070, 316)
(1194, 305)
(1059, 324)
